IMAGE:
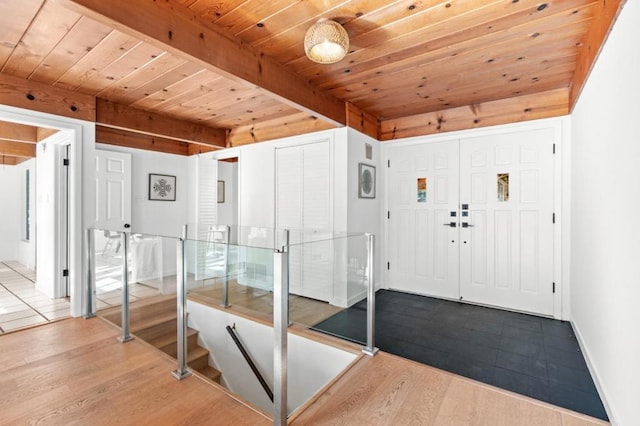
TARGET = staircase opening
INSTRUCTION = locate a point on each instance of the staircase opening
(154, 320)
(213, 353)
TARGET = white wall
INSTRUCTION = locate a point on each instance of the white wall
(26, 253)
(228, 211)
(164, 218)
(605, 243)
(311, 365)
(256, 190)
(11, 192)
(363, 214)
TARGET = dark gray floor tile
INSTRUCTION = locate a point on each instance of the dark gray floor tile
(525, 322)
(518, 333)
(436, 341)
(486, 326)
(563, 343)
(521, 383)
(419, 313)
(488, 315)
(533, 367)
(571, 378)
(573, 360)
(470, 367)
(476, 351)
(406, 333)
(533, 356)
(557, 328)
(491, 340)
(396, 318)
(573, 399)
(531, 349)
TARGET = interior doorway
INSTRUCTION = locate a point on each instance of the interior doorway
(34, 287)
(79, 136)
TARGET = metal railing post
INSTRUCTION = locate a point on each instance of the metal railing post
(280, 328)
(287, 249)
(225, 280)
(126, 335)
(181, 371)
(89, 301)
(370, 349)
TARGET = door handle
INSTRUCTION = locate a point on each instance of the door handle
(450, 224)
(466, 225)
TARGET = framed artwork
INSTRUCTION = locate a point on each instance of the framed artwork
(366, 181)
(162, 187)
(221, 191)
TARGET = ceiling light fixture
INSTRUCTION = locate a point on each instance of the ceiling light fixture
(326, 42)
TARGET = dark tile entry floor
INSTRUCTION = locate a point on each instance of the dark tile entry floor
(533, 356)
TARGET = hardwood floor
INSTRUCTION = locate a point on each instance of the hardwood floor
(76, 372)
(259, 303)
(389, 390)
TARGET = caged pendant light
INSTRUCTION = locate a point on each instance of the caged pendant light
(326, 42)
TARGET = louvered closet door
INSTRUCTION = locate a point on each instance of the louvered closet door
(289, 205)
(317, 271)
(303, 203)
(207, 212)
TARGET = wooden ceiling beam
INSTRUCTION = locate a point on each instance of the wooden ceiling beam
(18, 149)
(43, 133)
(118, 116)
(603, 19)
(552, 103)
(362, 121)
(292, 125)
(7, 160)
(21, 93)
(195, 149)
(18, 132)
(175, 28)
(128, 139)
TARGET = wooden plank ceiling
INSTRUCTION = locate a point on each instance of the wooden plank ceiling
(414, 66)
(18, 142)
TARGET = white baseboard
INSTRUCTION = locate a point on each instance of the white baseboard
(594, 374)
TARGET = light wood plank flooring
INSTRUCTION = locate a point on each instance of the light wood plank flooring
(259, 303)
(389, 390)
(76, 372)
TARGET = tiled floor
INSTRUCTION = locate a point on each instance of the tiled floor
(529, 355)
(21, 304)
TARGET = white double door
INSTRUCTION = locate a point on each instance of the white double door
(483, 232)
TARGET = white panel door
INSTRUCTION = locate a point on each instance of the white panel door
(423, 233)
(506, 189)
(113, 190)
